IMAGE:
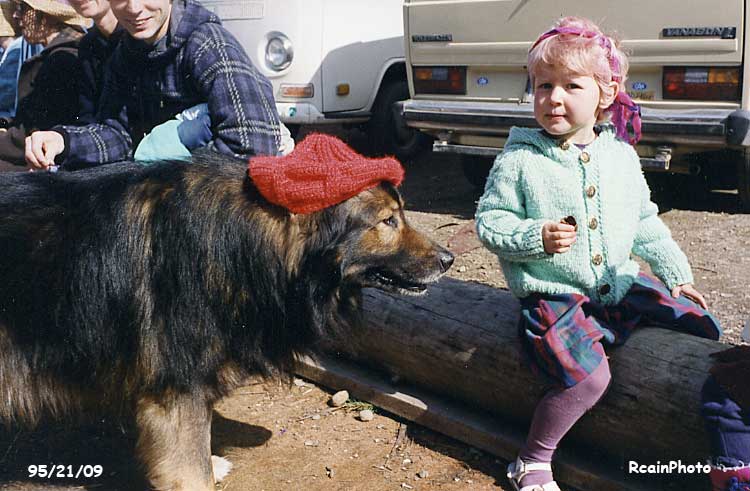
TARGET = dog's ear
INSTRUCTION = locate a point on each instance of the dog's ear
(317, 297)
(393, 192)
(256, 199)
(251, 191)
(332, 226)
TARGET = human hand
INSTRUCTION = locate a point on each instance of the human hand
(690, 292)
(558, 237)
(41, 149)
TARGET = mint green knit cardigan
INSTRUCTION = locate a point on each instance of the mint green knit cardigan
(537, 179)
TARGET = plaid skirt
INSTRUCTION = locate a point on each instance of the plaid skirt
(562, 335)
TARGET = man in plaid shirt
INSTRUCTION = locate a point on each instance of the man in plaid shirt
(175, 55)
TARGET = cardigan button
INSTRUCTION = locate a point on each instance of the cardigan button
(593, 223)
(565, 145)
(585, 157)
(591, 191)
(605, 289)
(597, 259)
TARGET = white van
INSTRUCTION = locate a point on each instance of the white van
(330, 61)
(688, 72)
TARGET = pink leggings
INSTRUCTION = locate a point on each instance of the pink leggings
(556, 414)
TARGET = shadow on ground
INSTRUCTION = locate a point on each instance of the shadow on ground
(107, 444)
(435, 182)
(694, 193)
(470, 457)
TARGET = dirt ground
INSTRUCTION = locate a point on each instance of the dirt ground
(288, 437)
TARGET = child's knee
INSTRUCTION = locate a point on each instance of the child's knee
(597, 382)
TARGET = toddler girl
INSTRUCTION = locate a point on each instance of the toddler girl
(564, 208)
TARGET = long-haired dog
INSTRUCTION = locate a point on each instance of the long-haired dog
(156, 290)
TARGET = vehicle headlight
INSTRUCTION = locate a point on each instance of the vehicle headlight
(279, 52)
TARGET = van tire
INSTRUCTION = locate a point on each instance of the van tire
(476, 169)
(387, 129)
(293, 130)
(743, 179)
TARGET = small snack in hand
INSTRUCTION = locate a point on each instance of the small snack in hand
(570, 220)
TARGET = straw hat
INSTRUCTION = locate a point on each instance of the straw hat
(61, 10)
(6, 20)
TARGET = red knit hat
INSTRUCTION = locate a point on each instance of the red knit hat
(320, 172)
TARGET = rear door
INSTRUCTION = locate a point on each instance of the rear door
(491, 38)
(359, 39)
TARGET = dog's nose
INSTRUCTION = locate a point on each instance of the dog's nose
(446, 260)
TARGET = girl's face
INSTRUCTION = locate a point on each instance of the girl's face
(567, 104)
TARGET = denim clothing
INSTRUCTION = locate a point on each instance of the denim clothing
(10, 68)
(728, 426)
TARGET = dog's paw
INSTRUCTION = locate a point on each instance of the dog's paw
(222, 467)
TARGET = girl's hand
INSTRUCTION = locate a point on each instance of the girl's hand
(558, 237)
(690, 292)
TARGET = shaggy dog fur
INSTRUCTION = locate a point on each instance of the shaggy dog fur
(156, 290)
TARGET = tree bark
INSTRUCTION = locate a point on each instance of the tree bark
(460, 341)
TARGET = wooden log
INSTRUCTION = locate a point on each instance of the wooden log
(579, 470)
(460, 341)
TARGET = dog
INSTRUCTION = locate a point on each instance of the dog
(156, 290)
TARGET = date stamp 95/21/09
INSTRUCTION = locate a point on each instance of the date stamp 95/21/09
(62, 471)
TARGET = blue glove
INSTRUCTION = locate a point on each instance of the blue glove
(195, 133)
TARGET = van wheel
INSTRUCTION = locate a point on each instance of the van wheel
(476, 169)
(743, 179)
(387, 128)
(293, 130)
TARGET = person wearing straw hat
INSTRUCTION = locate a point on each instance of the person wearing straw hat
(49, 83)
(8, 62)
(176, 55)
(15, 51)
(8, 30)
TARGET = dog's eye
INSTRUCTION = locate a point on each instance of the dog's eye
(391, 221)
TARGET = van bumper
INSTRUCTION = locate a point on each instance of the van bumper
(308, 113)
(299, 113)
(692, 127)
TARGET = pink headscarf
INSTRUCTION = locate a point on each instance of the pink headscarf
(623, 110)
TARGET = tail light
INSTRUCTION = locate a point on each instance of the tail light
(440, 80)
(702, 83)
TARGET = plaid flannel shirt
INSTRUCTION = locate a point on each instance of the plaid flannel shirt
(198, 61)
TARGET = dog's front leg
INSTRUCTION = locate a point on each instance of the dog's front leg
(174, 442)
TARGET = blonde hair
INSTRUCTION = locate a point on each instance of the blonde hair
(578, 45)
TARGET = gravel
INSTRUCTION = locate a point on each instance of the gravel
(339, 398)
